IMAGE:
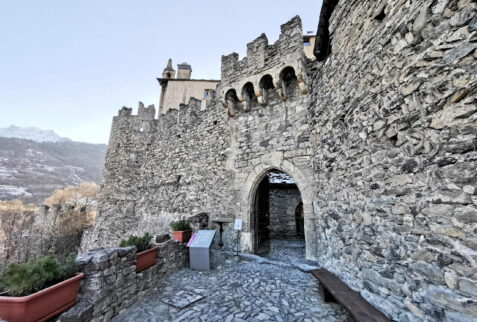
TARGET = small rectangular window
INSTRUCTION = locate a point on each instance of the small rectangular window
(206, 92)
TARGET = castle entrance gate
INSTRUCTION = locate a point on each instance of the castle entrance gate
(278, 216)
(277, 204)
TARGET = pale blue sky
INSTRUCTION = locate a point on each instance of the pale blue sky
(70, 65)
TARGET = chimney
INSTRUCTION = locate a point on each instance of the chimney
(184, 71)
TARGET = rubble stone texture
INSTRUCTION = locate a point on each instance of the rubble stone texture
(394, 156)
(235, 291)
(284, 200)
(380, 138)
(111, 283)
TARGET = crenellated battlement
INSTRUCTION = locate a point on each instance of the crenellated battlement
(265, 67)
(147, 113)
(245, 83)
(145, 121)
(261, 56)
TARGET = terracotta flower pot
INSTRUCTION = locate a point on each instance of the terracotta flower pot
(146, 259)
(182, 236)
(42, 305)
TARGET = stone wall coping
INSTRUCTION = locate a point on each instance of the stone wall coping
(111, 283)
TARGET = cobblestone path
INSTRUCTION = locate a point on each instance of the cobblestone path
(235, 291)
(287, 250)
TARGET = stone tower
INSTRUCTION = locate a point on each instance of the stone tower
(169, 72)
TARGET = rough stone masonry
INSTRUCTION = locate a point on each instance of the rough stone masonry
(379, 135)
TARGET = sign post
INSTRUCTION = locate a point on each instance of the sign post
(238, 228)
(200, 250)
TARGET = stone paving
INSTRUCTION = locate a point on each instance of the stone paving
(287, 250)
(236, 291)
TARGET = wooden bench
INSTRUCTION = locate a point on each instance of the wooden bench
(332, 289)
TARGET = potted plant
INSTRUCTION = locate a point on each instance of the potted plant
(145, 255)
(38, 289)
(181, 230)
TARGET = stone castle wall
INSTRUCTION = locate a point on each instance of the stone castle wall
(262, 56)
(283, 204)
(379, 139)
(158, 170)
(263, 59)
(268, 137)
(111, 283)
(394, 129)
(190, 161)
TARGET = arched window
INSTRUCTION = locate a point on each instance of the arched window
(231, 100)
(289, 82)
(267, 89)
(248, 94)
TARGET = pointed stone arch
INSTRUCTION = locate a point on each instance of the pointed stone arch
(303, 178)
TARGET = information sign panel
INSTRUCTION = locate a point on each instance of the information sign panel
(238, 224)
(200, 250)
(203, 239)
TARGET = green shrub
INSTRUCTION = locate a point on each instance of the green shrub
(180, 225)
(141, 243)
(70, 266)
(36, 274)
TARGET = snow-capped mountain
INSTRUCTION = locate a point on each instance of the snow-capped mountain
(31, 170)
(31, 133)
